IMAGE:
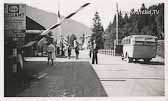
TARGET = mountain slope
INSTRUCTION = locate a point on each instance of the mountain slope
(47, 19)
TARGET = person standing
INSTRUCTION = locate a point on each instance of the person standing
(94, 53)
(69, 51)
(90, 49)
(76, 49)
(77, 52)
(51, 52)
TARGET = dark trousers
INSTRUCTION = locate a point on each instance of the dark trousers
(52, 61)
(90, 54)
(94, 58)
(69, 54)
(77, 56)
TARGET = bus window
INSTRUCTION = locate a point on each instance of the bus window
(139, 42)
(150, 39)
(127, 41)
(149, 43)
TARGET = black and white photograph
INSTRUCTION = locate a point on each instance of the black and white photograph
(84, 48)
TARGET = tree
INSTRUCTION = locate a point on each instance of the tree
(160, 21)
(137, 23)
(98, 31)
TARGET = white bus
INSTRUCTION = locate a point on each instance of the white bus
(137, 47)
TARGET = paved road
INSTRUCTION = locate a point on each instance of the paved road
(67, 78)
(111, 76)
(120, 78)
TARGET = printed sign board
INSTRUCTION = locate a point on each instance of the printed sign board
(15, 22)
(15, 16)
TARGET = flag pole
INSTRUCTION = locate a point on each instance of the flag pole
(59, 20)
(60, 31)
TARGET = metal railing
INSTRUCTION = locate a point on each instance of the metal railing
(106, 51)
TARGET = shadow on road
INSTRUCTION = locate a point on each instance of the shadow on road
(150, 63)
(78, 78)
(14, 83)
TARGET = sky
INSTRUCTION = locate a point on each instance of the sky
(106, 8)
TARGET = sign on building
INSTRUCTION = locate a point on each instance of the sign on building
(15, 16)
(15, 22)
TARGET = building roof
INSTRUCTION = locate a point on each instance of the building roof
(33, 25)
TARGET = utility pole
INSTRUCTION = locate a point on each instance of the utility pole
(59, 20)
(116, 23)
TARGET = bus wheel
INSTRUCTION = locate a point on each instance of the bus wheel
(146, 60)
(136, 60)
(122, 57)
(128, 58)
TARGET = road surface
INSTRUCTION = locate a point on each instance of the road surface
(120, 78)
(79, 78)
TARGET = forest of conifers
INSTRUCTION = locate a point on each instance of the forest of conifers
(143, 21)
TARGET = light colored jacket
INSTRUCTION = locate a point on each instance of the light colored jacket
(51, 51)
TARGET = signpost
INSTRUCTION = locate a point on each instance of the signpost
(14, 27)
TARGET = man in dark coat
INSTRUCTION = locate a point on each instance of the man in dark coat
(69, 51)
(94, 53)
(77, 52)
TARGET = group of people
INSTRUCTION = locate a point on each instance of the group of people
(93, 52)
(51, 51)
(70, 50)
